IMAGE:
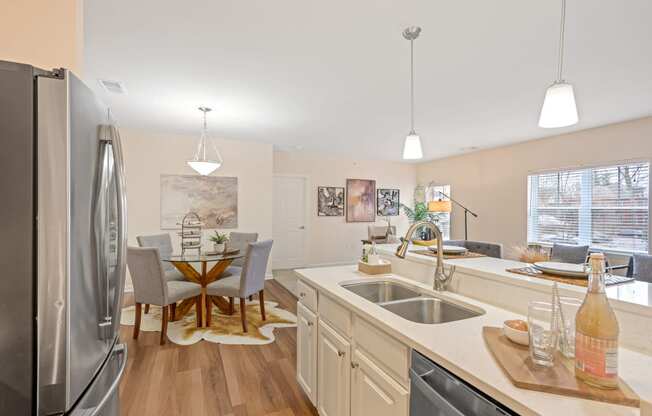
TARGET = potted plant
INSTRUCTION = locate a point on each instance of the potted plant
(420, 213)
(219, 241)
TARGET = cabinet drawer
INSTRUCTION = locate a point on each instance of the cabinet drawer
(307, 296)
(390, 354)
(335, 315)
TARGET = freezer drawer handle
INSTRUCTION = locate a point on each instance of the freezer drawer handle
(119, 349)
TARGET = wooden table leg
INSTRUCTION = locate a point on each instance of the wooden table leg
(221, 303)
(203, 293)
(183, 308)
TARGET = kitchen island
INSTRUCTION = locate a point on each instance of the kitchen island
(354, 354)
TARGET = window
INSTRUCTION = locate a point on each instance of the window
(606, 207)
(442, 219)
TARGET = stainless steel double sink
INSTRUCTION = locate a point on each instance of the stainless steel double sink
(410, 303)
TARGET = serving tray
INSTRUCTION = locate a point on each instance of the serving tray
(559, 379)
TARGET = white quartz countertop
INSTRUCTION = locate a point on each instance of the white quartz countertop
(459, 347)
(635, 297)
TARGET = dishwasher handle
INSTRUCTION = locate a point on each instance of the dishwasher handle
(428, 399)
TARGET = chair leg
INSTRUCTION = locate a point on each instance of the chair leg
(173, 311)
(243, 314)
(164, 324)
(231, 308)
(261, 299)
(209, 310)
(147, 308)
(137, 323)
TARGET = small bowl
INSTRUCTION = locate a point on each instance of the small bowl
(516, 335)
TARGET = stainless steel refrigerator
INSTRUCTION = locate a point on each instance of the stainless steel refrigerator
(62, 246)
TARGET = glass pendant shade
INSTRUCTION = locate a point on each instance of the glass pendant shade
(412, 146)
(559, 108)
(207, 158)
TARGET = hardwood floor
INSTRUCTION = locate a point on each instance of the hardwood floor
(214, 379)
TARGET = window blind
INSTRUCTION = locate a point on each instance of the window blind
(606, 207)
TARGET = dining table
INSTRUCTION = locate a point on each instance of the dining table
(186, 265)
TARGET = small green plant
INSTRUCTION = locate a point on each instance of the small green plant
(418, 213)
(219, 238)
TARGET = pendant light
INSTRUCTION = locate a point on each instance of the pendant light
(204, 163)
(412, 145)
(559, 108)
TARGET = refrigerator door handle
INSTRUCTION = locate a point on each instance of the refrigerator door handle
(122, 221)
(110, 138)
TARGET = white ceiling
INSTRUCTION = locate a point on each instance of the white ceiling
(333, 76)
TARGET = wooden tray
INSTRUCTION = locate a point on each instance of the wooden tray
(384, 268)
(467, 255)
(559, 379)
(610, 279)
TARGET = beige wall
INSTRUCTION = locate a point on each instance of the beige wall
(148, 155)
(44, 33)
(493, 182)
(332, 240)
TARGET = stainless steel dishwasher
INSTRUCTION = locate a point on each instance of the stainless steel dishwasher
(437, 392)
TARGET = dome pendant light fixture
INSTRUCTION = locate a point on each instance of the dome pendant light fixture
(204, 162)
(559, 108)
(412, 146)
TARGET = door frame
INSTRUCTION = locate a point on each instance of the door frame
(306, 211)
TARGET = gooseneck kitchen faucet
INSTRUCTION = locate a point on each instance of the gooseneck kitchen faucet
(442, 277)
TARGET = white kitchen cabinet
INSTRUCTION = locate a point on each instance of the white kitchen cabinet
(307, 351)
(374, 392)
(333, 373)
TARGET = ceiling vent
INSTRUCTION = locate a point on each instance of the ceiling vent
(114, 87)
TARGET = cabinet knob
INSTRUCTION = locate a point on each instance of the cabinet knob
(354, 365)
(302, 295)
(310, 324)
(340, 353)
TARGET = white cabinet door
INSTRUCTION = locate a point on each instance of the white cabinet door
(307, 351)
(333, 373)
(373, 392)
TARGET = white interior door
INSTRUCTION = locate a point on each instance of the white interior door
(289, 222)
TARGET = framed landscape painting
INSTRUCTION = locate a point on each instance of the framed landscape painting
(213, 198)
(330, 201)
(387, 202)
(360, 200)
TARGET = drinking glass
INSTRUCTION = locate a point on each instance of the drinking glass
(543, 332)
(569, 308)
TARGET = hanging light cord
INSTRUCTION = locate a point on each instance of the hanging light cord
(561, 41)
(411, 86)
(203, 139)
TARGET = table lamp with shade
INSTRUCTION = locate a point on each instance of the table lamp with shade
(446, 205)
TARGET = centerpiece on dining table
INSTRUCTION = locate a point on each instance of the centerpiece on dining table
(219, 241)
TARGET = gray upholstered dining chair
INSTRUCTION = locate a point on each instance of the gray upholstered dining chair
(640, 267)
(566, 253)
(379, 235)
(239, 241)
(164, 244)
(480, 247)
(250, 281)
(152, 287)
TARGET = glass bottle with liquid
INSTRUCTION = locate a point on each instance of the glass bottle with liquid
(596, 332)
